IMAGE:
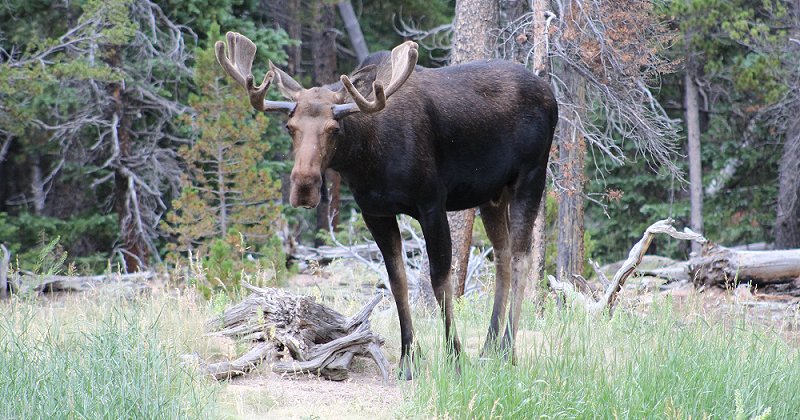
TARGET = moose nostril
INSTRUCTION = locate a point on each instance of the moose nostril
(306, 179)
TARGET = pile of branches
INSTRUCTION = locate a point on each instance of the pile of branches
(295, 334)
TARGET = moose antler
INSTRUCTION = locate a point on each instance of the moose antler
(404, 59)
(242, 51)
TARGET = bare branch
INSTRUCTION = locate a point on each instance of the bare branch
(608, 300)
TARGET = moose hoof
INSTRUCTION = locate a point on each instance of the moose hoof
(405, 371)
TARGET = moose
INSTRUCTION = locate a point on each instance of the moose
(421, 142)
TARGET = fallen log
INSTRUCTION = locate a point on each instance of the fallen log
(725, 267)
(312, 337)
(327, 253)
(49, 284)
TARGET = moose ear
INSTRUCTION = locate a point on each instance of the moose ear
(362, 79)
(287, 86)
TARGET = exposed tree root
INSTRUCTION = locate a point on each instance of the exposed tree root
(315, 338)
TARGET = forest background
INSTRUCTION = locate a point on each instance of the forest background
(123, 146)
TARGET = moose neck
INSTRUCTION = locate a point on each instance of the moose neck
(355, 154)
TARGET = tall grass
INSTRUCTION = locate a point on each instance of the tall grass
(97, 358)
(660, 365)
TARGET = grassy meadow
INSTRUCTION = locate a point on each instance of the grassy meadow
(100, 356)
(96, 356)
(658, 365)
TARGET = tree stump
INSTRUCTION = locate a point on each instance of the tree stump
(318, 339)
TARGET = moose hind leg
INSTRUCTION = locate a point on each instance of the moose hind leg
(436, 230)
(495, 220)
(523, 206)
(387, 235)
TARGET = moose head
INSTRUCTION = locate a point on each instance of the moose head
(315, 114)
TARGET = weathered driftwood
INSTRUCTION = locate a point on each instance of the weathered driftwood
(328, 253)
(608, 298)
(47, 284)
(725, 267)
(314, 337)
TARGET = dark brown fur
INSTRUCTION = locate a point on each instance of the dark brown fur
(473, 135)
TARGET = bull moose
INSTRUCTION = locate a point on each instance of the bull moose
(421, 141)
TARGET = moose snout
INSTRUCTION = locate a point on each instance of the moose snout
(305, 189)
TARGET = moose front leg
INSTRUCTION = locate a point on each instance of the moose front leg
(436, 230)
(387, 235)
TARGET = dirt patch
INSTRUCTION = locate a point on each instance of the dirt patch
(267, 395)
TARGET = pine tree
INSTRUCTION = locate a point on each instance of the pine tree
(227, 193)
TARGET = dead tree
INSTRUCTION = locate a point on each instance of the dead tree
(296, 335)
(770, 271)
(612, 288)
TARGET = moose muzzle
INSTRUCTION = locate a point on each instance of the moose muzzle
(305, 189)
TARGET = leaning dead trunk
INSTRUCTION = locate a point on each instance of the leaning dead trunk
(296, 335)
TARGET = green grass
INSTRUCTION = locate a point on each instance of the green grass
(659, 365)
(98, 357)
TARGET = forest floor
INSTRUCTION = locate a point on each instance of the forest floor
(263, 394)
(364, 395)
(345, 286)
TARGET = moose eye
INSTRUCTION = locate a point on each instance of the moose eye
(333, 128)
(290, 129)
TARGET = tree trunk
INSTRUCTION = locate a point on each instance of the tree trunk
(353, 29)
(134, 245)
(572, 155)
(693, 133)
(323, 51)
(540, 67)
(471, 41)
(37, 186)
(294, 28)
(323, 44)
(328, 208)
(223, 194)
(473, 21)
(787, 220)
(461, 235)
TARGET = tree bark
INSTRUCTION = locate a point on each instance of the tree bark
(37, 186)
(294, 28)
(353, 29)
(52, 284)
(323, 51)
(471, 40)
(695, 158)
(725, 267)
(787, 220)
(540, 67)
(222, 193)
(572, 155)
(323, 44)
(134, 247)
